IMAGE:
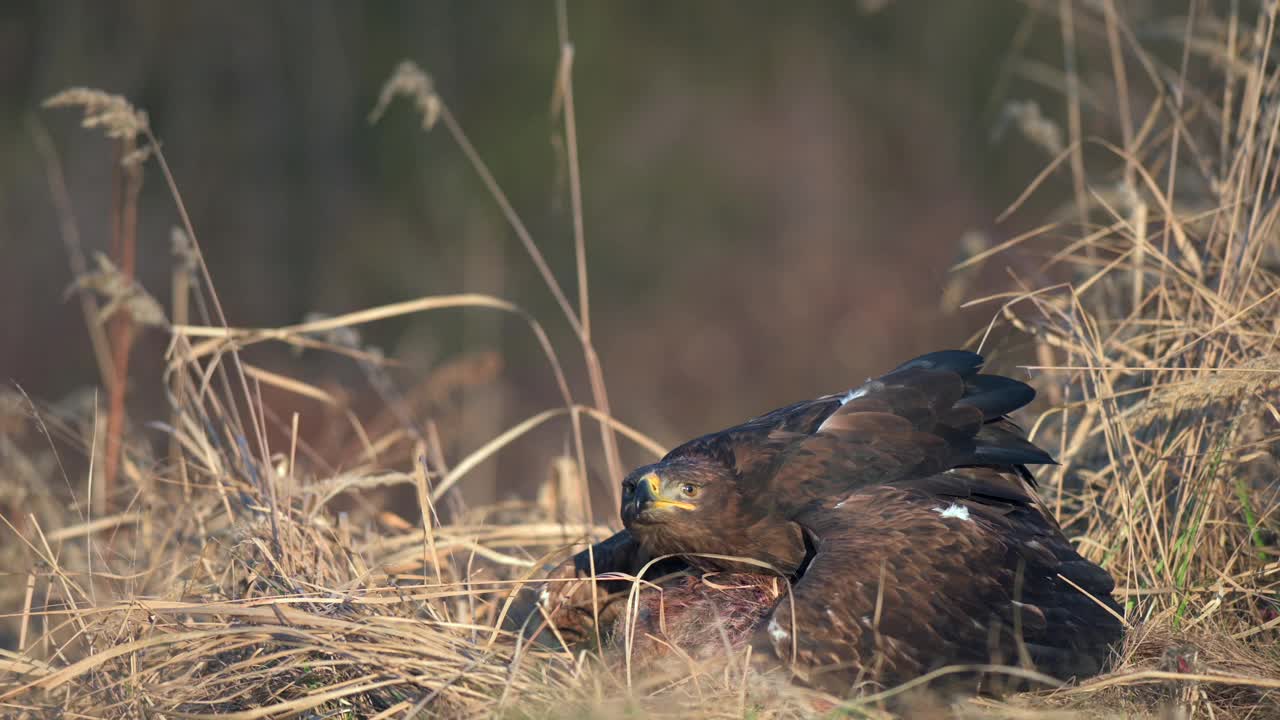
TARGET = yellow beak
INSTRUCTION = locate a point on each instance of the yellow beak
(655, 494)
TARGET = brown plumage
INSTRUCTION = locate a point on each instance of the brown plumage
(905, 519)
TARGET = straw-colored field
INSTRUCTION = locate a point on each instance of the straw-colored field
(213, 576)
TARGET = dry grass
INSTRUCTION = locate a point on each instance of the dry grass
(222, 582)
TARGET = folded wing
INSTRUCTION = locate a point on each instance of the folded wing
(964, 567)
(929, 415)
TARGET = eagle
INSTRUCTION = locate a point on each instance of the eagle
(868, 536)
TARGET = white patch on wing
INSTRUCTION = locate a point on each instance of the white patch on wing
(953, 510)
(544, 597)
(776, 632)
(853, 394)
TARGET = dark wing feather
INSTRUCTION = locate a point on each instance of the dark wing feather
(897, 588)
(620, 553)
(754, 446)
(1000, 442)
(569, 605)
(941, 394)
(928, 415)
(995, 395)
(960, 362)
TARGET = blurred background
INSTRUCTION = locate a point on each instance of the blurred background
(773, 195)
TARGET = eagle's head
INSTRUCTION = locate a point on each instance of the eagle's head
(673, 494)
(693, 505)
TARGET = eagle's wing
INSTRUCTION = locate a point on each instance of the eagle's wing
(753, 447)
(963, 567)
(929, 415)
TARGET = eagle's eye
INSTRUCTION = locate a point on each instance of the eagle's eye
(689, 489)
